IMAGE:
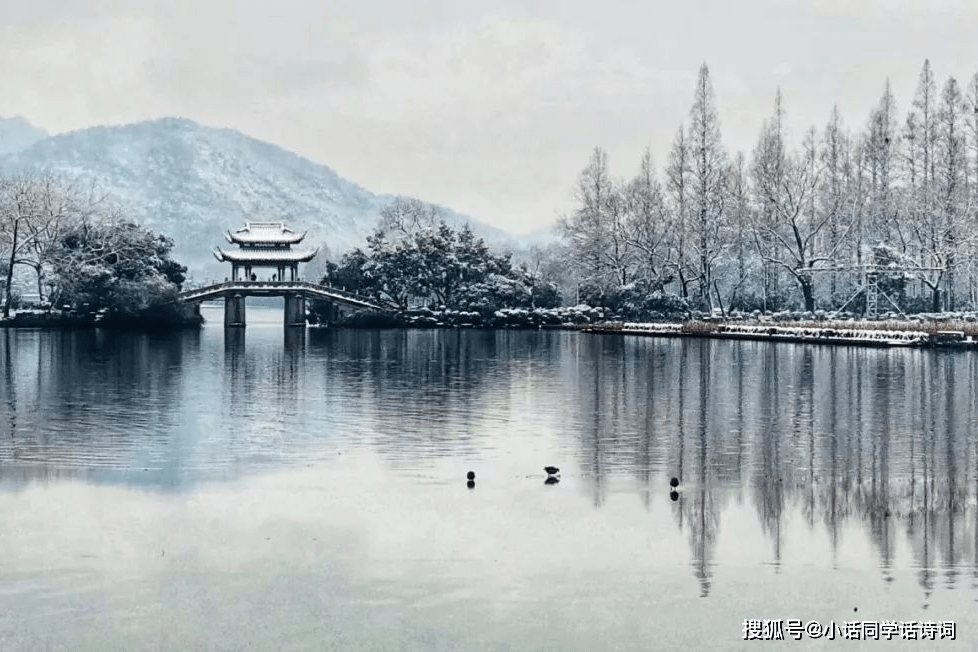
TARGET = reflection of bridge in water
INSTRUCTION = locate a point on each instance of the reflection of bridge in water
(269, 245)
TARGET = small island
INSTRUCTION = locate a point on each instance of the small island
(89, 263)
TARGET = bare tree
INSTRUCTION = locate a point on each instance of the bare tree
(834, 194)
(597, 230)
(678, 182)
(921, 143)
(707, 166)
(405, 216)
(971, 173)
(647, 227)
(881, 144)
(784, 186)
(935, 194)
(739, 211)
(34, 210)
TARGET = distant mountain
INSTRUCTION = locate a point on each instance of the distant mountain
(192, 182)
(17, 134)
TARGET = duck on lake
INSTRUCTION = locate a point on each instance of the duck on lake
(551, 470)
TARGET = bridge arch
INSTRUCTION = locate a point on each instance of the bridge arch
(296, 294)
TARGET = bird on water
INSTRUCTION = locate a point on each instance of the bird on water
(470, 475)
(551, 470)
(674, 482)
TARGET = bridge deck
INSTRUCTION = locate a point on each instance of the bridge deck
(278, 289)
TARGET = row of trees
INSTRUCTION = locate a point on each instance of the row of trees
(78, 249)
(414, 258)
(790, 224)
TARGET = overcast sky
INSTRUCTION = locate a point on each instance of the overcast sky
(491, 108)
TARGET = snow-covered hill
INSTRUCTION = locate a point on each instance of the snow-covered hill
(192, 182)
(17, 134)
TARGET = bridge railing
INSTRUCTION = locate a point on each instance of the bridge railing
(323, 290)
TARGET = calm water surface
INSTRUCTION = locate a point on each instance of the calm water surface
(273, 490)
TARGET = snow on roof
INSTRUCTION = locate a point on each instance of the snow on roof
(264, 233)
(265, 255)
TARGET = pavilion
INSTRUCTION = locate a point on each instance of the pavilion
(265, 244)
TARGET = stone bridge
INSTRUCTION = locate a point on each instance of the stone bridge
(295, 292)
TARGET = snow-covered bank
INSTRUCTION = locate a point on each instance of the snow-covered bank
(566, 317)
(848, 333)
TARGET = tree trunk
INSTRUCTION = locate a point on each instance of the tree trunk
(10, 270)
(808, 292)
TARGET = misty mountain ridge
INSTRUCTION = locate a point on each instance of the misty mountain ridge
(192, 182)
(17, 134)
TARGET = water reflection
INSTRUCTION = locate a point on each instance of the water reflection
(878, 437)
(832, 442)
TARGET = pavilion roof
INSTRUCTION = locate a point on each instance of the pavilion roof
(265, 255)
(258, 233)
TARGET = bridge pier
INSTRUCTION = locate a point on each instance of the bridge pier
(295, 310)
(234, 310)
(327, 312)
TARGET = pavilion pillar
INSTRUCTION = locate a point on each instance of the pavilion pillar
(295, 310)
(234, 311)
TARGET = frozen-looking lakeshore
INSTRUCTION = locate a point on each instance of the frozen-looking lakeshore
(847, 333)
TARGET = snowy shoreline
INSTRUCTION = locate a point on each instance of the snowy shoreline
(840, 333)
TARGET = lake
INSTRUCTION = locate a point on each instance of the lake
(266, 489)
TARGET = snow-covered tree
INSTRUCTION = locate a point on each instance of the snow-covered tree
(34, 211)
(406, 215)
(971, 170)
(881, 145)
(740, 219)
(951, 183)
(904, 189)
(115, 264)
(784, 185)
(647, 223)
(678, 191)
(597, 231)
(835, 200)
(435, 265)
(707, 163)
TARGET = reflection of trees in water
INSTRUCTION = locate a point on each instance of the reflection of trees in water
(896, 460)
(768, 481)
(700, 504)
(87, 402)
(440, 387)
(9, 386)
(881, 437)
